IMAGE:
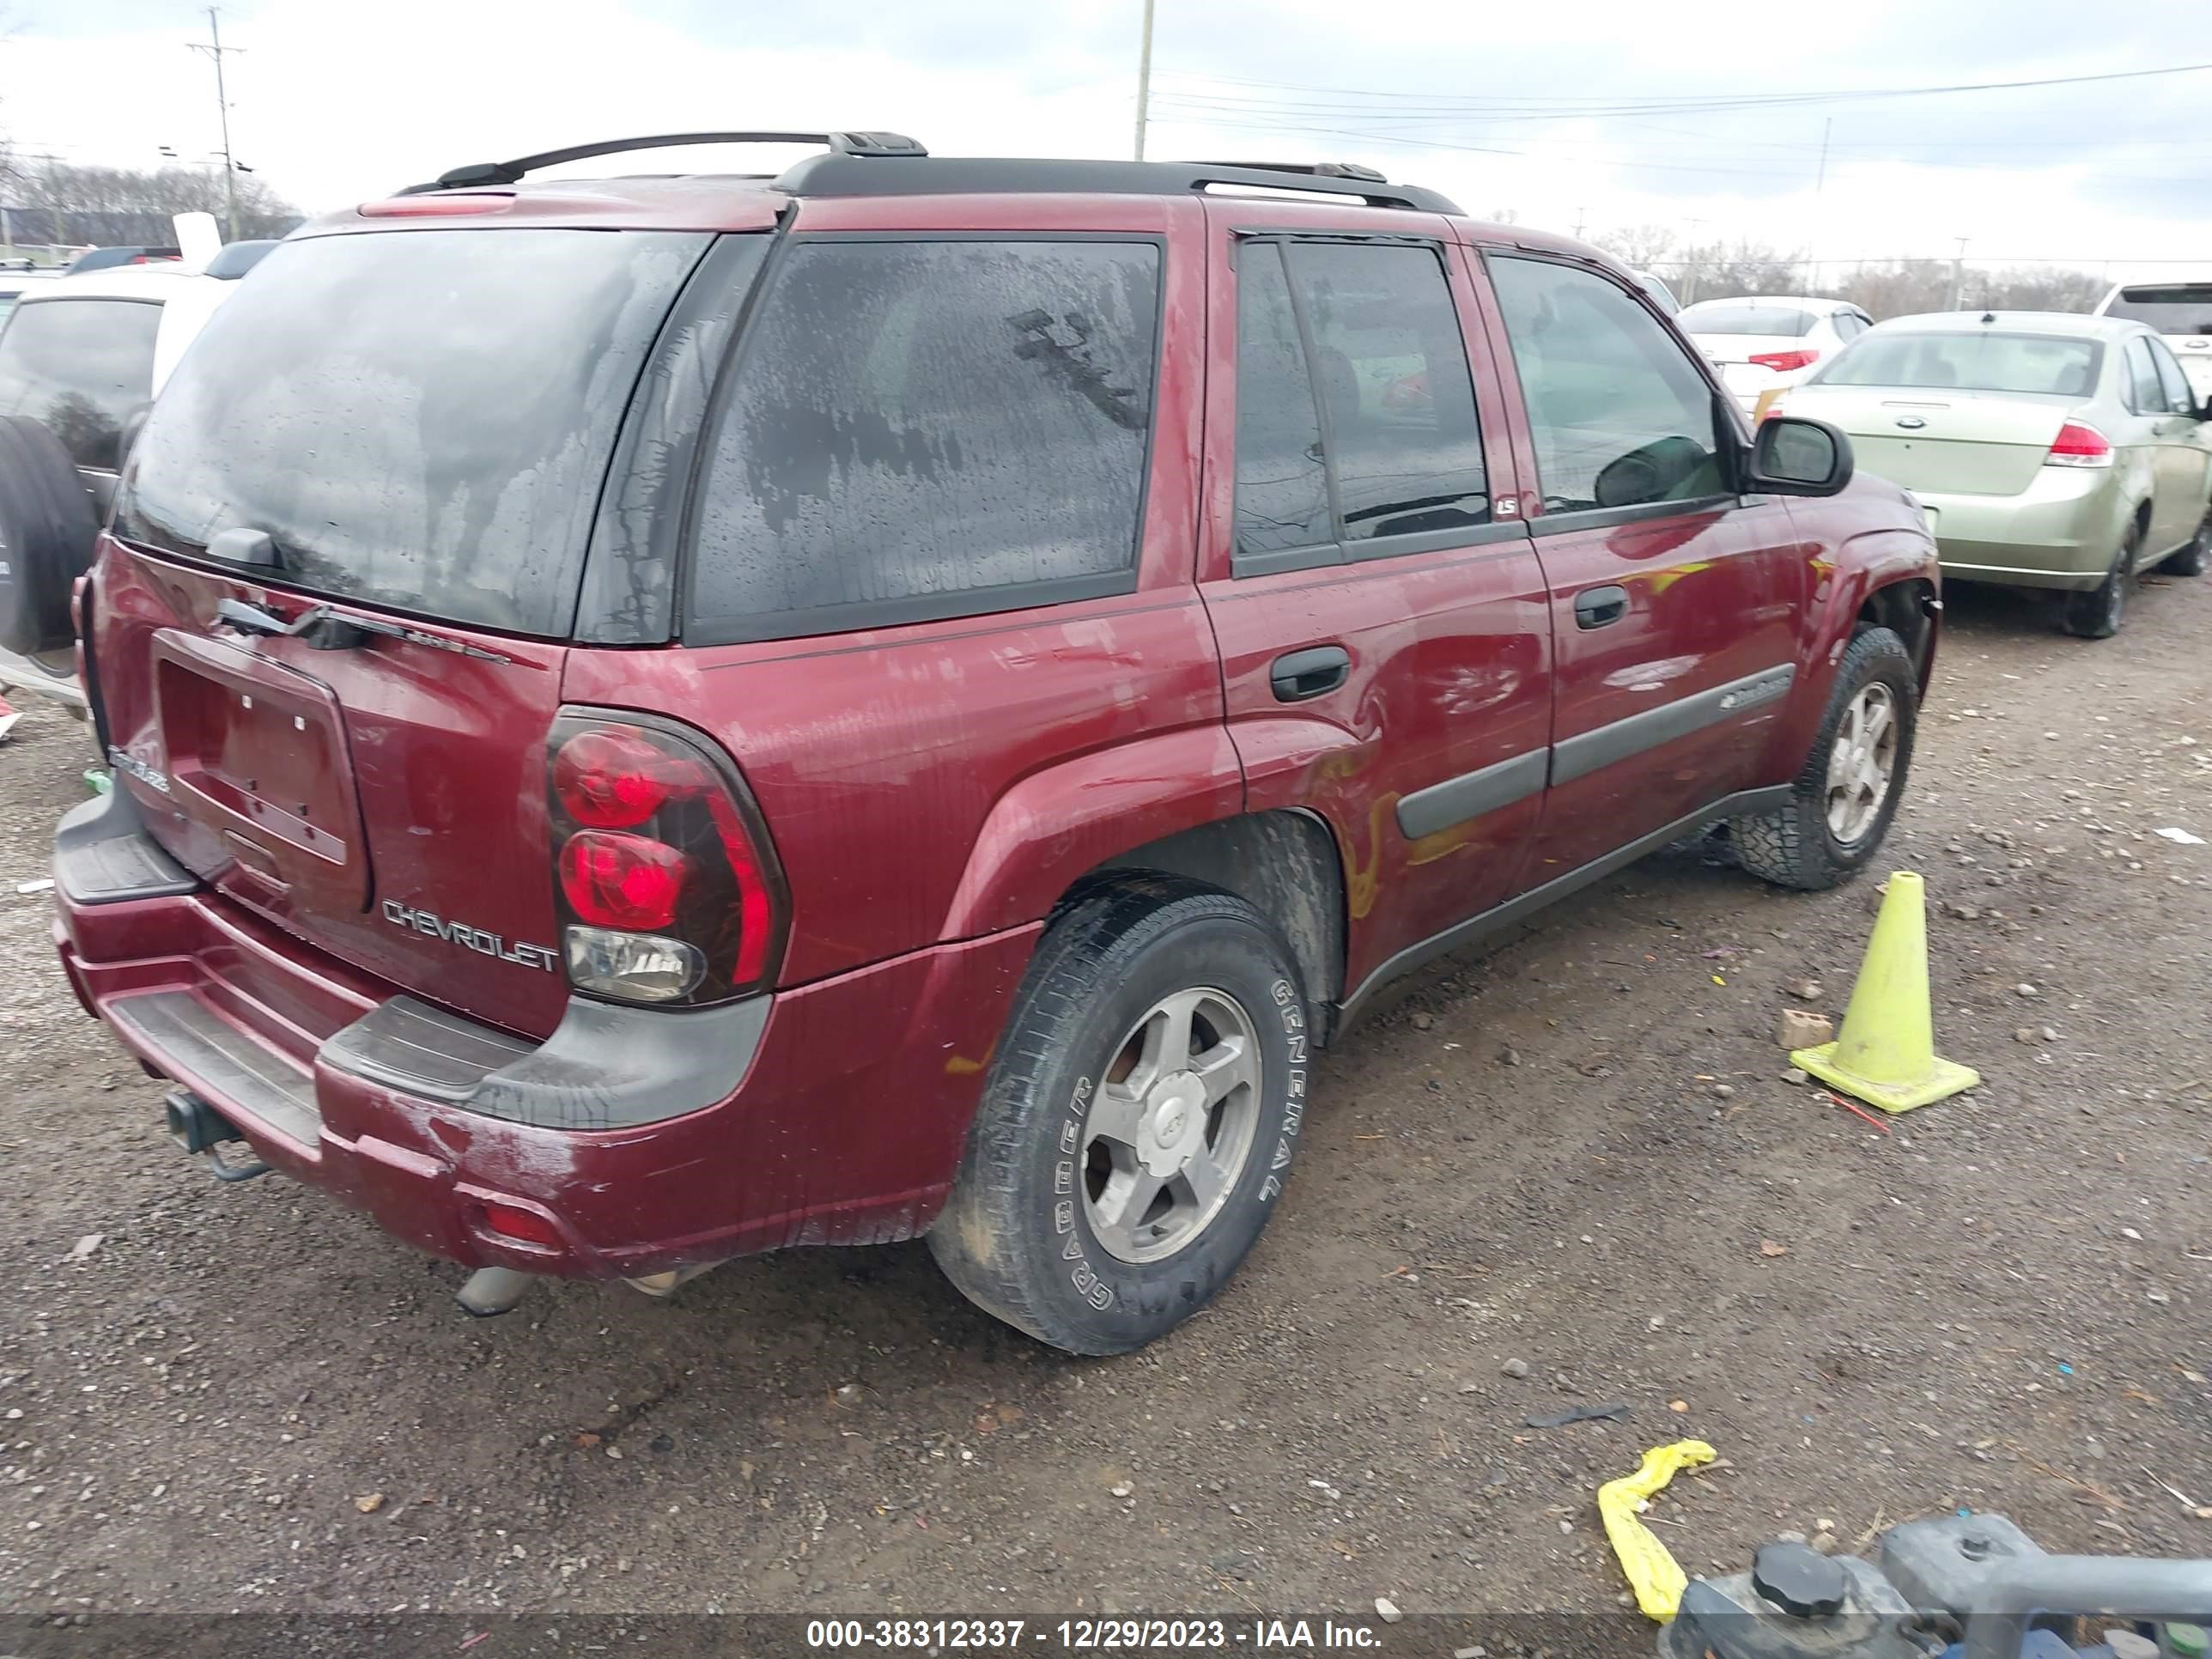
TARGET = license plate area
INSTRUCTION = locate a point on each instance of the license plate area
(257, 753)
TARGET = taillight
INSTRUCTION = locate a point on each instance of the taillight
(666, 885)
(622, 881)
(1785, 362)
(2079, 444)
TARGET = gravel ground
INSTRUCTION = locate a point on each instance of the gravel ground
(1577, 1152)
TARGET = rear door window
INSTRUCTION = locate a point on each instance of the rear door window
(419, 419)
(2145, 395)
(922, 428)
(83, 367)
(1619, 415)
(1400, 402)
(1355, 408)
(2179, 396)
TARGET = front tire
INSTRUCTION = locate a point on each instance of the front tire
(1139, 1121)
(1845, 794)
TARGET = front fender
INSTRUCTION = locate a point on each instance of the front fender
(1064, 821)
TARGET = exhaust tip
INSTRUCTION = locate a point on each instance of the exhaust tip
(492, 1291)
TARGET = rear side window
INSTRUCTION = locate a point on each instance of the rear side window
(1982, 361)
(921, 429)
(1282, 486)
(1619, 415)
(83, 368)
(419, 419)
(1727, 317)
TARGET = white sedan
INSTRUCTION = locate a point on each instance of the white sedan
(1763, 343)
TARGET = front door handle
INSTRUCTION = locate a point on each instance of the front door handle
(1597, 606)
(1310, 673)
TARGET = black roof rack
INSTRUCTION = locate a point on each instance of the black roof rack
(846, 173)
(479, 175)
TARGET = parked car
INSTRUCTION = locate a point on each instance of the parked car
(81, 359)
(13, 284)
(2182, 312)
(114, 259)
(681, 716)
(2048, 450)
(1767, 344)
(1661, 293)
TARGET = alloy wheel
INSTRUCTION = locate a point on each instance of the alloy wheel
(1170, 1127)
(1862, 762)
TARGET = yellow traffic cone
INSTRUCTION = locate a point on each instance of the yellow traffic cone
(1885, 1054)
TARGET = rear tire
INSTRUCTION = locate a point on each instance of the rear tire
(1845, 794)
(1107, 1192)
(2190, 561)
(2098, 614)
(47, 531)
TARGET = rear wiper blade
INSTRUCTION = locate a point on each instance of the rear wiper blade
(324, 630)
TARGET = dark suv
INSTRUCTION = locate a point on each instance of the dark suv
(678, 716)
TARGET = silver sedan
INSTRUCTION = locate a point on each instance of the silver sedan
(2048, 450)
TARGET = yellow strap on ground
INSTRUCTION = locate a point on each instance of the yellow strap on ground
(1652, 1573)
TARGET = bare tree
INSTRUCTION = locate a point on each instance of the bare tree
(126, 206)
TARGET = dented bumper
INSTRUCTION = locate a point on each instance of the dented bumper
(648, 1139)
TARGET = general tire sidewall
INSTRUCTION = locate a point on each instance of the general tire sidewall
(1891, 668)
(1123, 1304)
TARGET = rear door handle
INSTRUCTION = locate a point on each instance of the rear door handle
(1597, 606)
(1310, 673)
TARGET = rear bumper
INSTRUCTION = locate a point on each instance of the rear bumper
(2061, 531)
(832, 1113)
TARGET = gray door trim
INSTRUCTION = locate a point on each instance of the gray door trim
(1588, 751)
(1471, 794)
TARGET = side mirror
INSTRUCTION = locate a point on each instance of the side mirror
(1793, 456)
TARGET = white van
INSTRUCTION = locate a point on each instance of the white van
(2181, 312)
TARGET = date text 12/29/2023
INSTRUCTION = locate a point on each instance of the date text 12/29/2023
(1088, 1635)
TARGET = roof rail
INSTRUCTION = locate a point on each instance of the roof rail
(841, 175)
(479, 175)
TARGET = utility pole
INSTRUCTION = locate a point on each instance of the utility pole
(1821, 178)
(214, 48)
(1580, 214)
(1144, 78)
(1959, 277)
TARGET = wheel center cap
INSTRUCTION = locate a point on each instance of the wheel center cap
(1174, 1124)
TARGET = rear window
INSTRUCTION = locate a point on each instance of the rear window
(1723, 317)
(922, 429)
(81, 367)
(2170, 309)
(419, 419)
(2039, 364)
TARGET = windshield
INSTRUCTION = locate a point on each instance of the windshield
(1734, 317)
(419, 419)
(80, 367)
(2036, 364)
(2175, 308)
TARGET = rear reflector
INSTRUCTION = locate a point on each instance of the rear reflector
(526, 1225)
(2079, 444)
(1785, 362)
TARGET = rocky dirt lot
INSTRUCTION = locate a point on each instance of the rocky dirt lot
(1575, 1157)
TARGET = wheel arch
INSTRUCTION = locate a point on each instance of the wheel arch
(1284, 863)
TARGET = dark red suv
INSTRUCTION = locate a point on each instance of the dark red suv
(666, 718)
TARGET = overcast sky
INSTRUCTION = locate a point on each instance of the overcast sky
(337, 102)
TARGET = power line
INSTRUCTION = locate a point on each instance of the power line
(1581, 107)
